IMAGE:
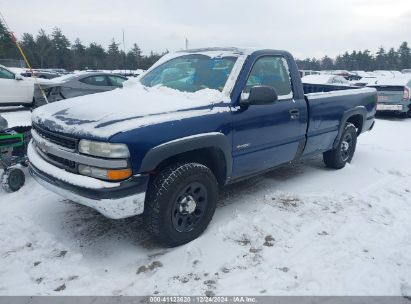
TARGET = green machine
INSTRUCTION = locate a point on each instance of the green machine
(13, 148)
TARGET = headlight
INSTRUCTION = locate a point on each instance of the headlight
(103, 149)
(106, 174)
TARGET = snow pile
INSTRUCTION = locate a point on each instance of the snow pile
(108, 113)
(299, 230)
(16, 118)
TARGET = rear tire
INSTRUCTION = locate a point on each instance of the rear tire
(180, 203)
(344, 152)
(12, 180)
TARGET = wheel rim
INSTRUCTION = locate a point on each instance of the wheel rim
(189, 207)
(346, 147)
(15, 180)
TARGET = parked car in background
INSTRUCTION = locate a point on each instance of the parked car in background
(308, 72)
(82, 83)
(138, 72)
(363, 78)
(40, 74)
(406, 71)
(125, 73)
(394, 95)
(344, 73)
(388, 73)
(325, 79)
(15, 89)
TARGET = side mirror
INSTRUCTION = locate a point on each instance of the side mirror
(18, 77)
(259, 95)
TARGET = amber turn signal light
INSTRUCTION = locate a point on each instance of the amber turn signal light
(115, 175)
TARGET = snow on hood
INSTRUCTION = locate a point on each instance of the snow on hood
(105, 114)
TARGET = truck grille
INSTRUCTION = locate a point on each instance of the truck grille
(56, 138)
(62, 161)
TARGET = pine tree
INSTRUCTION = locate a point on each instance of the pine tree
(380, 59)
(113, 60)
(44, 49)
(8, 49)
(327, 63)
(392, 59)
(60, 49)
(404, 53)
(29, 46)
(78, 51)
(95, 56)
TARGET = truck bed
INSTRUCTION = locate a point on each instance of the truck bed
(318, 88)
(327, 111)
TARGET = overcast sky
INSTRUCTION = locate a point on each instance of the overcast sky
(304, 27)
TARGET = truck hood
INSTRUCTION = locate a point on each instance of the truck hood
(106, 114)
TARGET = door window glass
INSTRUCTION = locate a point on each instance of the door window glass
(6, 74)
(274, 72)
(95, 80)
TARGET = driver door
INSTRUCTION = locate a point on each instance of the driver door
(13, 90)
(268, 135)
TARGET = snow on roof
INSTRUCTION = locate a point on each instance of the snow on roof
(224, 51)
(68, 77)
(317, 79)
(388, 81)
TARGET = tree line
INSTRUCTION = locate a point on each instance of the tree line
(56, 51)
(392, 59)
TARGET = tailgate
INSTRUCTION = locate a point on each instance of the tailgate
(390, 94)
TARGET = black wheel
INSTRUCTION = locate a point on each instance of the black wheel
(12, 180)
(344, 152)
(180, 203)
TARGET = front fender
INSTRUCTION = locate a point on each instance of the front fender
(185, 144)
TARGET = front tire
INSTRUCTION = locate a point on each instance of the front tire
(344, 152)
(180, 203)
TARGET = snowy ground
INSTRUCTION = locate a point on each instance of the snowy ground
(300, 230)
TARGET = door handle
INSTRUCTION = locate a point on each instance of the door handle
(294, 114)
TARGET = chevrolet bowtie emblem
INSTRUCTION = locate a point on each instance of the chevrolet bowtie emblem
(42, 146)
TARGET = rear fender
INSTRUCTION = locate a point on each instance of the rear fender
(360, 110)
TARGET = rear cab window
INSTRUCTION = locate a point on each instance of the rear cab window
(272, 71)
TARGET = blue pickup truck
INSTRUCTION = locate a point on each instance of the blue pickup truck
(197, 120)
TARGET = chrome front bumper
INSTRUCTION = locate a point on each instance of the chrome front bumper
(114, 200)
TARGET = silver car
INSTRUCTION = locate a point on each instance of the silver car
(79, 84)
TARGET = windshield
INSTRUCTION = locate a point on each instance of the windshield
(191, 73)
